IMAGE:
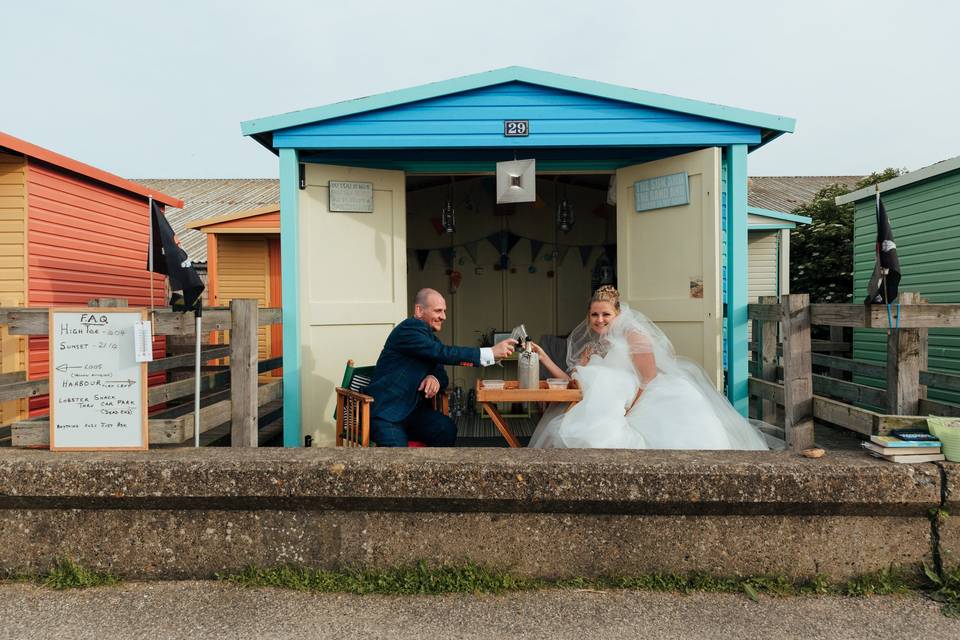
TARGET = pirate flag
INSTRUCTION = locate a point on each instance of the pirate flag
(172, 261)
(882, 288)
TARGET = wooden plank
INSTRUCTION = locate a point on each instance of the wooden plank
(849, 392)
(25, 389)
(884, 424)
(512, 392)
(844, 415)
(836, 335)
(768, 360)
(33, 322)
(918, 316)
(243, 372)
(838, 315)
(181, 388)
(939, 380)
(903, 365)
(187, 359)
(13, 376)
(36, 433)
(797, 383)
(846, 364)
(764, 311)
(770, 391)
(937, 408)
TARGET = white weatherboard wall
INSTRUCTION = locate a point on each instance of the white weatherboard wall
(764, 258)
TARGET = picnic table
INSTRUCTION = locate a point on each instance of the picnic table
(511, 392)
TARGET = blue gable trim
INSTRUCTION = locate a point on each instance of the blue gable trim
(779, 215)
(474, 119)
(770, 125)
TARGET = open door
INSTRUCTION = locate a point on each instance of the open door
(668, 259)
(353, 284)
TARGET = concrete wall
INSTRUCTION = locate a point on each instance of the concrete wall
(183, 514)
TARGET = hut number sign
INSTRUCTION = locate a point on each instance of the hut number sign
(351, 197)
(98, 389)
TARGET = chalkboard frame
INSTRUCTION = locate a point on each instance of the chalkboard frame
(144, 429)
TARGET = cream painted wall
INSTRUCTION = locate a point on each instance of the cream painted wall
(489, 298)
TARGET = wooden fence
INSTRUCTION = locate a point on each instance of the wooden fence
(785, 389)
(233, 400)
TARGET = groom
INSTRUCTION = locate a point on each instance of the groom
(410, 373)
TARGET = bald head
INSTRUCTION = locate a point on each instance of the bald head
(430, 307)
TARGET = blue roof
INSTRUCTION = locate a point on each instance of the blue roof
(771, 126)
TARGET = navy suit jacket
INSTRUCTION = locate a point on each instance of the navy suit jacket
(411, 353)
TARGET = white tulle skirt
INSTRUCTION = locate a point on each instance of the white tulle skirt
(672, 413)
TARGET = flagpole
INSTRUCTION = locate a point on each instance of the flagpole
(196, 376)
(150, 254)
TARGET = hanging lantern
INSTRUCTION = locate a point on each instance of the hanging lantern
(565, 219)
(448, 217)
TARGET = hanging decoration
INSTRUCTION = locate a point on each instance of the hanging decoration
(447, 214)
(447, 253)
(437, 225)
(585, 252)
(471, 249)
(422, 255)
(535, 246)
(561, 252)
(565, 219)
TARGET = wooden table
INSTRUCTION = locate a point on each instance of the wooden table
(511, 392)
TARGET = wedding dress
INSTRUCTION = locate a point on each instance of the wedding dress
(678, 409)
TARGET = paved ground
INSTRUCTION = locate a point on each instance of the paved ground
(200, 610)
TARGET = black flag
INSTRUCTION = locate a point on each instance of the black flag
(172, 261)
(885, 280)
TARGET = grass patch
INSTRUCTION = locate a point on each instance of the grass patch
(67, 574)
(421, 579)
(418, 579)
(945, 590)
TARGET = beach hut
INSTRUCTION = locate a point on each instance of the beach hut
(69, 232)
(243, 261)
(365, 187)
(923, 207)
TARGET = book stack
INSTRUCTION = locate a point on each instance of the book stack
(905, 447)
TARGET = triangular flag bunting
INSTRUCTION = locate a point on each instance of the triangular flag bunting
(471, 249)
(422, 255)
(447, 253)
(535, 246)
(585, 251)
(611, 251)
(562, 253)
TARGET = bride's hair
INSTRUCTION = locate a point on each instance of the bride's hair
(606, 293)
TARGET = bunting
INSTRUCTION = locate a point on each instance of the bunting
(585, 252)
(535, 246)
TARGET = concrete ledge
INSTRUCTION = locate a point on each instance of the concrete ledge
(181, 514)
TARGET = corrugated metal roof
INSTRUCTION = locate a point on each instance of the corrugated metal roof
(206, 198)
(786, 193)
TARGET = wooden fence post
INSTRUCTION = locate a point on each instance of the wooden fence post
(243, 373)
(797, 374)
(924, 335)
(766, 340)
(903, 366)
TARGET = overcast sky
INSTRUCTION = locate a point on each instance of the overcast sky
(158, 89)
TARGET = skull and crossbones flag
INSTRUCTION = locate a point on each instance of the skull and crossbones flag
(166, 257)
(882, 288)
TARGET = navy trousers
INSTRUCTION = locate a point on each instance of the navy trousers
(425, 425)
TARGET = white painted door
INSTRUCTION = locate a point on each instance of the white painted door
(353, 284)
(668, 260)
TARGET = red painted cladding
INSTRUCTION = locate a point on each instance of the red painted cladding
(85, 240)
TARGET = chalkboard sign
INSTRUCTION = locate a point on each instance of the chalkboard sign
(98, 391)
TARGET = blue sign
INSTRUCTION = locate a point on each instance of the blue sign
(664, 191)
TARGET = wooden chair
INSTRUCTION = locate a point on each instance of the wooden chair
(353, 408)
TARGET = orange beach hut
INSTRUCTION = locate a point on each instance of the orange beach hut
(69, 232)
(243, 261)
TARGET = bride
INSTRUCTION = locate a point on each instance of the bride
(637, 394)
